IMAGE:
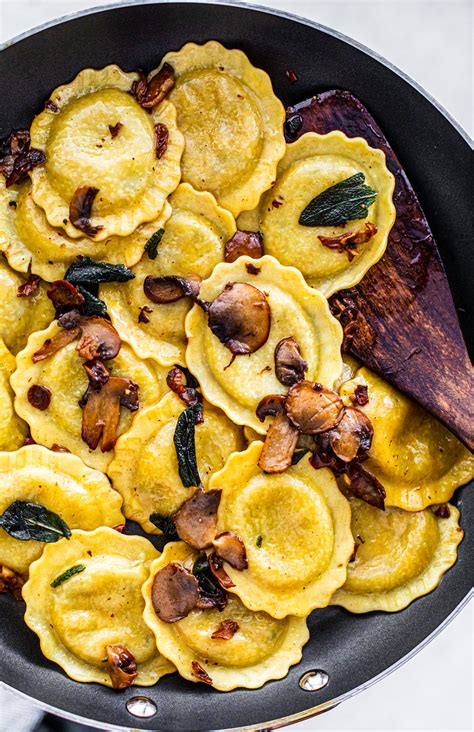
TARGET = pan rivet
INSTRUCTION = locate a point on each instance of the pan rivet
(141, 706)
(313, 680)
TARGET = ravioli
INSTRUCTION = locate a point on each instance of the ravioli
(231, 121)
(27, 239)
(417, 460)
(192, 243)
(261, 649)
(82, 497)
(20, 316)
(311, 165)
(67, 381)
(145, 466)
(400, 556)
(296, 530)
(101, 605)
(12, 429)
(296, 310)
(80, 149)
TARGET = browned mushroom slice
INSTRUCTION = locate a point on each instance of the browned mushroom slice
(231, 549)
(365, 486)
(240, 317)
(226, 630)
(54, 344)
(217, 568)
(270, 406)
(170, 288)
(101, 409)
(348, 241)
(244, 243)
(279, 445)
(200, 674)
(312, 408)
(360, 397)
(80, 210)
(152, 92)
(196, 520)
(352, 436)
(11, 582)
(97, 373)
(99, 339)
(174, 593)
(176, 382)
(290, 366)
(64, 295)
(122, 665)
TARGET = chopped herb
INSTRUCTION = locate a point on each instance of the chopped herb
(151, 247)
(185, 445)
(77, 569)
(25, 520)
(92, 305)
(259, 541)
(85, 271)
(350, 199)
(166, 525)
(298, 455)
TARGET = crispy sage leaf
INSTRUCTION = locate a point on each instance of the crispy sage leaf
(165, 524)
(185, 445)
(350, 199)
(85, 271)
(213, 595)
(77, 569)
(151, 247)
(25, 520)
(92, 305)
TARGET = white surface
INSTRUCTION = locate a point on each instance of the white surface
(431, 40)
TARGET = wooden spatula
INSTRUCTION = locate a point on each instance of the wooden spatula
(400, 321)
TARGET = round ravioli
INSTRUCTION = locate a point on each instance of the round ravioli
(81, 150)
(311, 165)
(59, 482)
(13, 430)
(261, 648)
(231, 121)
(399, 556)
(63, 374)
(20, 316)
(296, 530)
(192, 243)
(27, 239)
(98, 606)
(296, 310)
(145, 466)
(417, 460)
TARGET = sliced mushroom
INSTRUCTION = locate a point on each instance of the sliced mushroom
(99, 339)
(270, 406)
(312, 408)
(122, 666)
(290, 366)
(226, 630)
(211, 592)
(200, 674)
(240, 317)
(101, 407)
(365, 486)
(152, 92)
(97, 374)
(348, 241)
(196, 520)
(54, 344)
(352, 436)
(217, 568)
(176, 382)
(174, 593)
(80, 210)
(279, 445)
(244, 243)
(11, 582)
(170, 288)
(64, 296)
(231, 549)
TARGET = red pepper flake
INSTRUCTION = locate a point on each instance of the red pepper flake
(29, 287)
(80, 210)
(252, 269)
(291, 76)
(360, 396)
(115, 129)
(226, 630)
(144, 313)
(51, 106)
(119, 528)
(200, 674)
(441, 510)
(58, 448)
(162, 136)
(276, 203)
(354, 553)
(39, 396)
(29, 440)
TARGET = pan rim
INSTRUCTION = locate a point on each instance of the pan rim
(325, 706)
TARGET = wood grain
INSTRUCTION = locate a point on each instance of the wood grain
(400, 320)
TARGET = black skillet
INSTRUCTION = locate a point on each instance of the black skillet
(353, 650)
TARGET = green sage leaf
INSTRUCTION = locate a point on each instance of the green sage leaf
(25, 520)
(185, 445)
(92, 305)
(297, 456)
(67, 575)
(350, 199)
(151, 247)
(165, 524)
(85, 271)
